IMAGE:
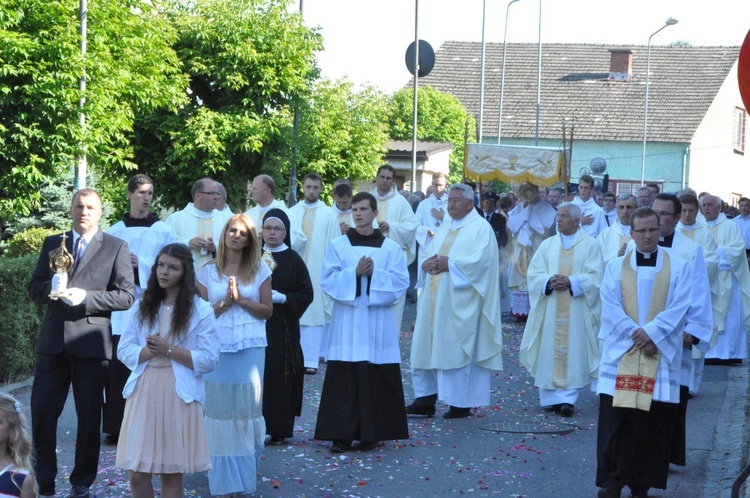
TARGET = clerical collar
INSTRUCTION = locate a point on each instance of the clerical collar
(375, 239)
(140, 222)
(282, 247)
(312, 205)
(645, 258)
(667, 240)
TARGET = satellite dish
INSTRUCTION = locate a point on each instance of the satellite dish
(426, 58)
(598, 165)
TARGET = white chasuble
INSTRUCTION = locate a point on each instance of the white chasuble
(560, 348)
(458, 312)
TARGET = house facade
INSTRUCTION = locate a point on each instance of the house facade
(695, 134)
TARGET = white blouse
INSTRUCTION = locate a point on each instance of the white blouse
(238, 329)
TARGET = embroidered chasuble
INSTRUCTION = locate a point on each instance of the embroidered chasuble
(562, 324)
(636, 373)
(559, 347)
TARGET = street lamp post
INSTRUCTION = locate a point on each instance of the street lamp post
(481, 74)
(670, 22)
(502, 75)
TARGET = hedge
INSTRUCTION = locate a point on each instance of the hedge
(20, 318)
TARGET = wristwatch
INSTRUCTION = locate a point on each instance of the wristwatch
(224, 305)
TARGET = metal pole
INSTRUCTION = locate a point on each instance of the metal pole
(502, 74)
(80, 171)
(539, 76)
(670, 22)
(481, 73)
(292, 197)
(416, 78)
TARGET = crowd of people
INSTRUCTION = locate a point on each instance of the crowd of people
(187, 340)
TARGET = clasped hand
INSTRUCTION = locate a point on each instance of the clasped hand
(157, 345)
(435, 264)
(365, 266)
(560, 282)
(643, 342)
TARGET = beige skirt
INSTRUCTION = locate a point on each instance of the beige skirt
(161, 434)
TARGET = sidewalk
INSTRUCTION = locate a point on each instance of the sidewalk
(470, 456)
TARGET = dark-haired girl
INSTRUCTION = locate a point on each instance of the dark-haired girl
(170, 342)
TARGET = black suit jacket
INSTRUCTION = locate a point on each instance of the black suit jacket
(106, 276)
(499, 225)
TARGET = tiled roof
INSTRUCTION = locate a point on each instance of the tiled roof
(402, 148)
(576, 84)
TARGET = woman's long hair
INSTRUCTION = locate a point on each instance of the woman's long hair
(154, 294)
(250, 259)
(18, 447)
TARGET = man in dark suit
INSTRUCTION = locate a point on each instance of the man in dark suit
(495, 219)
(75, 341)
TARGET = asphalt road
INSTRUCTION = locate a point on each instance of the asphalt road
(482, 455)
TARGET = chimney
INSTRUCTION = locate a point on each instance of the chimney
(620, 64)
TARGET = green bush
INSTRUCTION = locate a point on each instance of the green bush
(21, 318)
(27, 242)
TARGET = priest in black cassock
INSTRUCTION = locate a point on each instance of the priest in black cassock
(365, 274)
(292, 294)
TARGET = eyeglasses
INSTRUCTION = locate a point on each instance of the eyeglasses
(455, 200)
(274, 229)
(215, 194)
(643, 231)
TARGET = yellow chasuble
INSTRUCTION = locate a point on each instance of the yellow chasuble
(636, 373)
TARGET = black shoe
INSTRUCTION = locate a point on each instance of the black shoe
(554, 408)
(423, 406)
(341, 446)
(46, 491)
(79, 491)
(639, 492)
(276, 440)
(608, 493)
(566, 410)
(366, 445)
(111, 439)
(456, 412)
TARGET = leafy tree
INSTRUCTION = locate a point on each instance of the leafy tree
(130, 69)
(343, 133)
(440, 117)
(247, 61)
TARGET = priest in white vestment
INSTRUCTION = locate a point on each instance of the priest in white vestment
(560, 348)
(528, 226)
(592, 219)
(645, 299)
(363, 398)
(614, 239)
(697, 231)
(262, 192)
(732, 285)
(320, 226)
(457, 340)
(342, 206)
(395, 220)
(199, 224)
(432, 211)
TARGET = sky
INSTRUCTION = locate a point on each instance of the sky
(366, 40)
